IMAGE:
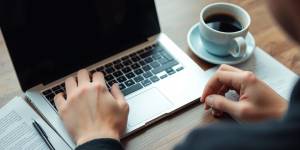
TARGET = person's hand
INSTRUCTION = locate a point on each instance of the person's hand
(257, 100)
(90, 110)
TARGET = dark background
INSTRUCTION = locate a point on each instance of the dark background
(48, 39)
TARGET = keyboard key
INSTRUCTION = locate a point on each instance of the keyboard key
(130, 75)
(165, 66)
(138, 78)
(117, 73)
(148, 48)
(47, 92)
(59, 91)
(163, 76)
(109, 70)
(133, 54)
(146, 82)
(129, 83)
(108, 65)
(125, 58)
(50, 96)
(158, 48)
(118, 66)
(179, 69)
(126, 70)
(56, 88)
(148, 59)
(117, 61)
(138, 71)
(100, 69)
(156, 56)
(122, 86)
(63, 86)
(132, 89)
(163, 61)
(146, 54)
(135, 66)
(154, 64)
(146, 68)
(109, 77)
(53, 104)
(142, 62)
(154, 79)
(127, 62)
(140, 51)
(167, 55)
(135, 58)
(121, 79)
(147, 74)
(110, 83)
(170, 71)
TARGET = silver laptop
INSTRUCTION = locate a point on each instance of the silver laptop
(49, 42)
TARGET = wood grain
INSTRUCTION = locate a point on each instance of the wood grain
(176, 18)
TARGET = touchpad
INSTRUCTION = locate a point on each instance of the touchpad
(146, 105)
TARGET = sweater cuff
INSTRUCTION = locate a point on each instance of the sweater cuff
(103, 144)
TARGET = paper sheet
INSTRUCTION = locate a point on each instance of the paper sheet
(17, 131)
(266, 68)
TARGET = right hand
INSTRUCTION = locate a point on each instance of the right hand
(91, 111)
(257, 100)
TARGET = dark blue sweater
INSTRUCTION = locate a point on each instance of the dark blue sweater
(273, 135)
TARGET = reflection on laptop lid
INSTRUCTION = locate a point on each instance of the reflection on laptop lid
(50, 39)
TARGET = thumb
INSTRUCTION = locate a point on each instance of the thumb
(222, 104)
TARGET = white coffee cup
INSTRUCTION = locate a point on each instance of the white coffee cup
(224, 43)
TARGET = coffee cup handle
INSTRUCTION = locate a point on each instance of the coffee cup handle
(240, 48)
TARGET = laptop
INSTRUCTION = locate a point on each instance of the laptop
(49, 41)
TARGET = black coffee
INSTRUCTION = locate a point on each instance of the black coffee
(223, 23)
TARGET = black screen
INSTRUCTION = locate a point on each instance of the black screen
(48, 39)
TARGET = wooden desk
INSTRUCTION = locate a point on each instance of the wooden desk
(176, 17)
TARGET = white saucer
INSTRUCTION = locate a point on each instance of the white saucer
(196, 46)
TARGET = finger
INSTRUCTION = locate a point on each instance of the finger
(71, 85)
(98, 78)
(222, 104)
(83, 77)
(227, 78)
(59, 101)
(206, 107)
(223, 90)
(229, 68)
(217, 113)
(116, 93)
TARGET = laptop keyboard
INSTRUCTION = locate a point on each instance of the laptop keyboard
(133, 72)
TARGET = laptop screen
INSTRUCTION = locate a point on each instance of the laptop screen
(48, 39)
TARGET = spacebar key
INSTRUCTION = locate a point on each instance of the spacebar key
(167, 65)
(132, 89)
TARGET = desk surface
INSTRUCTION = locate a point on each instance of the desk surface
(176, 17)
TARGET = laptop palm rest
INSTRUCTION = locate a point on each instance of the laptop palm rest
(146, 105)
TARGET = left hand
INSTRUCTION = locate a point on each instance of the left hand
(257, 100)
(90, 110)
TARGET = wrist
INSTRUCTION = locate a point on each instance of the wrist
(89, 136)
(282, 110)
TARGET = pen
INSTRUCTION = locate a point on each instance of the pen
(43, 134)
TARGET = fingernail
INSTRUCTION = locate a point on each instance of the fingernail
(209, 100)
